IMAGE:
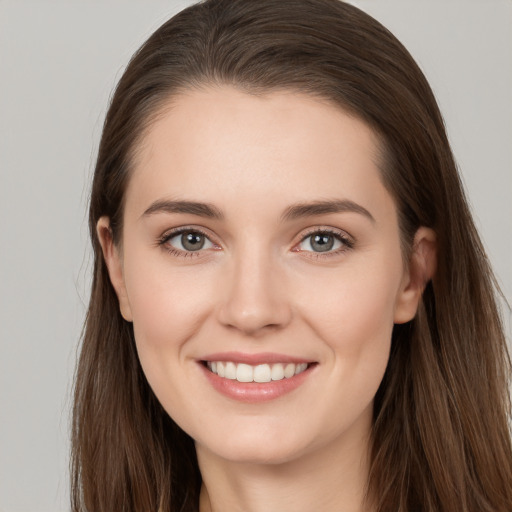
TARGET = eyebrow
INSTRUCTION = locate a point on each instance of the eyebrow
(293, 212)
(190, 207)
(311, 209)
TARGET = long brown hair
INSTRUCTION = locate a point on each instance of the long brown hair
(441, 438)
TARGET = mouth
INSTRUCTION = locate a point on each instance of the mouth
(260, 373)
(255, 378)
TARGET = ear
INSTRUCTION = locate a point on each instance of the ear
(422, 267)
(115, 266)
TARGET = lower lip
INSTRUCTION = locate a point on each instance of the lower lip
(255, 392)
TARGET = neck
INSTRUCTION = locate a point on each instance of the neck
(331, 479)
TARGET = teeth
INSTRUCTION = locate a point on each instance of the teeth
(277, 372)
(244, 373)
(289, 370)
(260, 373)
(230, 370)
(300, 368)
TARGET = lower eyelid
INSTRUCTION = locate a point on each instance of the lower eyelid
(183, 254)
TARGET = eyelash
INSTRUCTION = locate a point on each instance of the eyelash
(162, 241)
(347, 243)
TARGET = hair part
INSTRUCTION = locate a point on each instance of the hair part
(440, 439)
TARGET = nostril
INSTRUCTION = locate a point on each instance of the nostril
(255, 319)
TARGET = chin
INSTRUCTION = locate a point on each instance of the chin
(258, 454)
(251, 448)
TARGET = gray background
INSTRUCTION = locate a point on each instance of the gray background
(59, 61)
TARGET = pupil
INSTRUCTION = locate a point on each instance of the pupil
(192, 241)
(322, 243)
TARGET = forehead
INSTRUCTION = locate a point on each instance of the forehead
(221, 140)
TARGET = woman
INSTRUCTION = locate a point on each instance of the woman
(291, 308)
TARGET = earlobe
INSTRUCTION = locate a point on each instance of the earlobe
(422, 268)
(114, 265)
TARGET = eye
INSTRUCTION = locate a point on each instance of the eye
(325, 242)
(187, 240)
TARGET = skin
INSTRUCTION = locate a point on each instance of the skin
(259, 286)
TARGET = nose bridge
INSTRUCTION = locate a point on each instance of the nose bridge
(254, 297)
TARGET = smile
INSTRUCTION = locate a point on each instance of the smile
(260, 373)
(256, 378)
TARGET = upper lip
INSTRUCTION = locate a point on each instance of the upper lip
(254, 359)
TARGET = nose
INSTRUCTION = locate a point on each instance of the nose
(254, 296)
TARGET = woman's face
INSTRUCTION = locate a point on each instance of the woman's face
(260, 243)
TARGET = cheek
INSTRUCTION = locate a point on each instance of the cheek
(169, 307)
(166, 305)
(354, 305)
(353, 316)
